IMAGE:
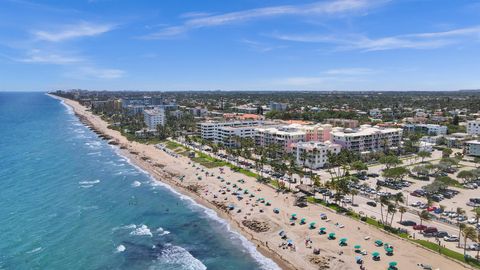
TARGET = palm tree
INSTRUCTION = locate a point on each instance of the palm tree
(402, 210)
(424, 154)
(476, 212)
(459, 212)
(424, 215)
(468, 233)
(461, 227)
(353, 192)
(478, 241)
(383, 202)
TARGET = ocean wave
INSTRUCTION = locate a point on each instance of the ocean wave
(89, 182)
(161, 231)
(136, 184)
(35, 250)
(86, 186)
(175, 257)
(69, 109)
(142, 230)
(120, 248)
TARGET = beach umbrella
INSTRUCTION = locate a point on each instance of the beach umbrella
(375, 254)
(358, 258)
(302, 221)
(331, 236)
(312, 225)
(322, 230)
(294, 216)
(343, 240)
(378, 242)
(357, 247)
(392, 264)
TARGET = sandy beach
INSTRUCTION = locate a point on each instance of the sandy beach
(258, 222)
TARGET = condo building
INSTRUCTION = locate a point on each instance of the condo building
(220, 131)
(314, 155)
(429, 129)
(472, 148)
(154, 117)
(473, 127)
(367, 138)
(286, 136)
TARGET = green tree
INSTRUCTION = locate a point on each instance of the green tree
(402, 210)
(466, 176)
(446, 152)
(390, 161)
(424, 154)
(424, 215)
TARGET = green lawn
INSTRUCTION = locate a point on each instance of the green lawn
(208, 161)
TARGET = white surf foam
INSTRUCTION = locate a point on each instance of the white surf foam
(120, 248)
(142, 230)
(89, 182)
(35, 250)
(175, 257)
(136, 184)
(161, 231)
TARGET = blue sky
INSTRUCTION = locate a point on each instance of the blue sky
(240, 45)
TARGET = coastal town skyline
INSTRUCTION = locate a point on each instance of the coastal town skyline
(382, 45)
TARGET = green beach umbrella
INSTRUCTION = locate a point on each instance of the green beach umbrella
(323, 229)
(392, 264)
(379, 243)
(375, 254)
(357, 247)
(312, 225)
(389, 250)
(343, 240)
(331, 235)
(294, 215)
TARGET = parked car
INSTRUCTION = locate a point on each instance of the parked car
(372, 203)
(408, 223)
(451, 238)
(419, 227)
(430, 231)
(442, 234)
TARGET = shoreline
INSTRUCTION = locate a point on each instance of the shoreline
(231, 224)
(143, 156)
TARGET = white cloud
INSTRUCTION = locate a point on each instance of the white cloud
(429, 40)
(38, 56)
(318, 8)
(350, 71)
(260, 46)
(97, 73)
(83, 29)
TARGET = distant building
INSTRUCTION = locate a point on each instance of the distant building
(316, 153)
(472, 148)
(229, 136)
(375, 113)
(429, 129)
(153, 118)
(198, 112)
(346, 123)
(367, 138)
(276, 106)
(473, 127)
(425, 146)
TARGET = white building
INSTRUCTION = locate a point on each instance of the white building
(425, 146)
(367, 138)
(429, 129)
(153, 118)
(211, 130)
(473, 127)
(472, 148)
(229, 136)
(316, 153)
(283, 136)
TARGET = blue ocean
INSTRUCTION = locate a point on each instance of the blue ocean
(68, 200)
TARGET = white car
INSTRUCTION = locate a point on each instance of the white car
(451, 238)
(472, 221)
(416, 204)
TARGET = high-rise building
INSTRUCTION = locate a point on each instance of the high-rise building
(154, 117)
